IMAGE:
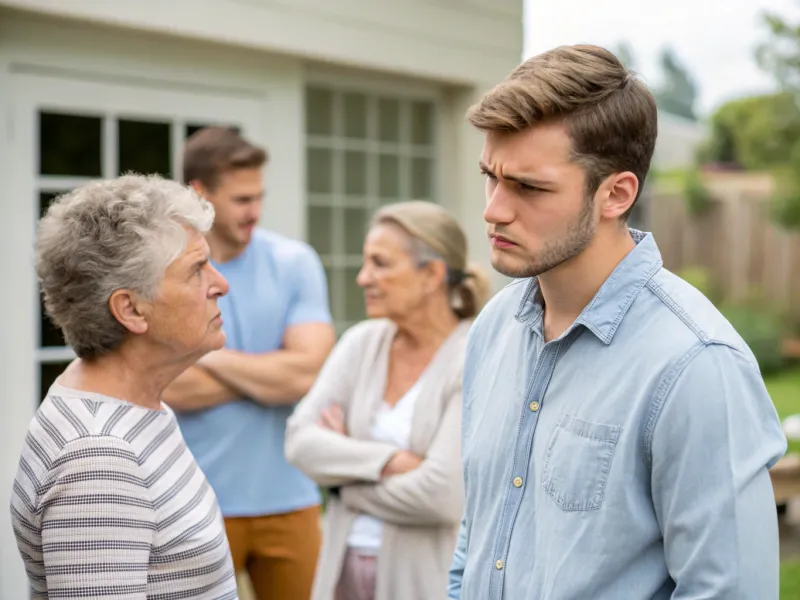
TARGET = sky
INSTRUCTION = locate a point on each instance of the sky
(715, 39)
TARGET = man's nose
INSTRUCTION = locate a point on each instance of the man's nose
(498, 205)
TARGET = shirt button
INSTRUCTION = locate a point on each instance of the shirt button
(498, 565)
(517, 481)
(534, 406)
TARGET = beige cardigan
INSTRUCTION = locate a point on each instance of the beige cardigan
(421, 509)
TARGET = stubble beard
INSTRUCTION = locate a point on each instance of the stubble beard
(578, 236)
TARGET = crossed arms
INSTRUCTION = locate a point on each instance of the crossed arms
(283, 376)
(375, 477)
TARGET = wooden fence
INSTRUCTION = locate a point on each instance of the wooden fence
(735, 241)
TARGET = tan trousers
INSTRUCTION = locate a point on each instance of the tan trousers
(357, 581)
(279, 552)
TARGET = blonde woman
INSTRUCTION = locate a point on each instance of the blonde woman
(380, 427)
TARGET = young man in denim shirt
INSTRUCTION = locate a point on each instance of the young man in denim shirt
(617, 433)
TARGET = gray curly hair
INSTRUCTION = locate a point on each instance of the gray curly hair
(107, 235)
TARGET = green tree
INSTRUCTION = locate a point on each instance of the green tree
(780, 56)
(761, 133)
(678, 92)
(780, 53)
(755, 133)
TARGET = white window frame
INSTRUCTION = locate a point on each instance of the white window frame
(37, 93)
(373, 88)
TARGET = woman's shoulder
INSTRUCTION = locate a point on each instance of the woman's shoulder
(459, 339)
(75, 419)
(61, 440)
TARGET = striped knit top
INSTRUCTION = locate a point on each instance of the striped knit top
(109, 502)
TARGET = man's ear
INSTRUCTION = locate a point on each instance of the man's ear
(127, 309)
(618, 194)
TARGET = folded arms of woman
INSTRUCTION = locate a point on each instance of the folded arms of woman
(431, 494)
(326, 456)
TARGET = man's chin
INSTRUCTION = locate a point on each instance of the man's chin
(509, 266)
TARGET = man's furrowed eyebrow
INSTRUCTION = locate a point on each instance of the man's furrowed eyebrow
(529, 181)
(522, 179)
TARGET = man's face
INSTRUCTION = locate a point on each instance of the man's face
(184, 317)
(237, 200)
(537, 210)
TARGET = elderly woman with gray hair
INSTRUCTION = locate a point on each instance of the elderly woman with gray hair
(108, 501)
(380, 427)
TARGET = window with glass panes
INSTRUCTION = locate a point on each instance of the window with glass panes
(75, 148)
(363, 150)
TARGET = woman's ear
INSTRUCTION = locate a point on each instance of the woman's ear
(127, 309)
(438, 272)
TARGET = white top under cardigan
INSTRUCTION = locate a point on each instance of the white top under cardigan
(393, 426)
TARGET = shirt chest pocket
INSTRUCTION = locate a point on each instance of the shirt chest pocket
(578, 462)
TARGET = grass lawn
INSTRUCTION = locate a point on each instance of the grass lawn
(790, 580)
(784, 389)
(785, 392)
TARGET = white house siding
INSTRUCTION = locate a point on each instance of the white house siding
(249, 62)
(457, 41)
(678, 141)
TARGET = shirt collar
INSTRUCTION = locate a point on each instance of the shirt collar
(607, 308)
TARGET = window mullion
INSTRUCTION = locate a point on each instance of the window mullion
(343, 260)
(109, 148)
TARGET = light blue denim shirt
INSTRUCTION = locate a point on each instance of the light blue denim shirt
(625, 460)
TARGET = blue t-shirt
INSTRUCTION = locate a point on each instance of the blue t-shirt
(275, 283)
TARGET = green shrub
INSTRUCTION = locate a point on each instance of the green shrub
(699, 278)
(696, 195)
(785, 202)
(786, 210)
(762, 331)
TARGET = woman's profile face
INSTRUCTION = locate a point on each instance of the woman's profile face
(184, 316)
(394, 284)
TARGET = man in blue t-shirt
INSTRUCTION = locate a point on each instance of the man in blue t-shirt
(233, 404)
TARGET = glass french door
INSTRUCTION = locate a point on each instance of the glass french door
(74, 131)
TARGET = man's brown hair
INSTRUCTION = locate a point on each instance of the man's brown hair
(609, 114)
(212, 151)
